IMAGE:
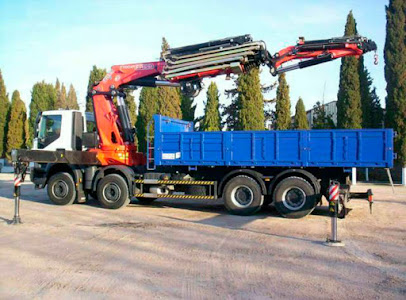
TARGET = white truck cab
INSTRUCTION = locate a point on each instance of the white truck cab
(62, 129)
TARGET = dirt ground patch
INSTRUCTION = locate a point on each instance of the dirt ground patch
(195, 250)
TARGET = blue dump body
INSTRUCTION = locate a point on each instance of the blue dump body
(176, 144)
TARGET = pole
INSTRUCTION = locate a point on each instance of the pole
(19, 174)
(404, 176)
(354, 176)
(366, 174)
(390, 179)
(334, 194)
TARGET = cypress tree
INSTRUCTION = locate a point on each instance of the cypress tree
(169, 102)
(168, 97)
(282, 113)
(211, 119)
(349, 114)
(376, 110)
(187, 108)
(230, 115)
(95, 75)
(395, 74)
(16, 134)
(300, 115)
(365, 81)
(250, 101)
(61, 98)
(4, 115)
(148, 106)
(72, 99)
(43, 97)
(60, 95)
(58, 91)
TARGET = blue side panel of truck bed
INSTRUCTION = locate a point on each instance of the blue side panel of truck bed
(176, 144)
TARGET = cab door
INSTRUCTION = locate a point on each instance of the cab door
(54, 131)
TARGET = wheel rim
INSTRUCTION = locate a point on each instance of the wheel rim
(60, 189)
(111, 192)
(242, 196)
(294, 198)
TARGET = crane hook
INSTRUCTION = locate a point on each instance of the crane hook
(376, 58)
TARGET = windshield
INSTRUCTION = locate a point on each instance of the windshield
(50, 130)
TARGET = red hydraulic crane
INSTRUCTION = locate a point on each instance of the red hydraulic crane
(185, 67)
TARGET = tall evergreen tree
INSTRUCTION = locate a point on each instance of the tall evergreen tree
(230, 115)
(211, 120)
(365, 81)
(349, 114)
(300, 115)
(251, 101)
(376, 110)
(282, 113)
(395, 74)
(4, 115)
(321, 120)
(168, 97)
(43, 97)
(61, 98)
(60, 95)
(187, 108)
(16, 133)
(96, 75)
(169, 102)
(148, 106)
(372, 115)
(58, 90)
(72, 99)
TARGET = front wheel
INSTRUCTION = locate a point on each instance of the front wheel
(61, 189)
(294, 197)
(112, 192)
(242, 196)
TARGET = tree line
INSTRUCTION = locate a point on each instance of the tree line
(358, 105)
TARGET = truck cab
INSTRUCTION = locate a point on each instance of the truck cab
(63, 129)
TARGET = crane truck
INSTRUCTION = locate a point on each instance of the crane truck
(77, 156)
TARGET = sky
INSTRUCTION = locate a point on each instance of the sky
(45, 40)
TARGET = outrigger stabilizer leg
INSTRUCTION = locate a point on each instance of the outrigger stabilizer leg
(20, 170)
(334, 197)
(338, 196)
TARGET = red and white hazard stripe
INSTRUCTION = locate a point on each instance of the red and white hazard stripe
(333, 192)
(17, 181)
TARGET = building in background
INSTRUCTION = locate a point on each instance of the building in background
(331, 110)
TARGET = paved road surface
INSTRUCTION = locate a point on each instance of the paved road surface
(195, 250)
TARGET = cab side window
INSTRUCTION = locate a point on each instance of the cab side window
(50, 130)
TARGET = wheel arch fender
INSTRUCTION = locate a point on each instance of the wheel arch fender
(73, 170)
(298, 173)
(127, 173)
(258, 177)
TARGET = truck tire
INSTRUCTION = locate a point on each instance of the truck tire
(294, 197)
(242, 196)
(112, 192)
(61, 189)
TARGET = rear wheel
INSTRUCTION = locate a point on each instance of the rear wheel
(242, 196)
(112, 192)
(294, 197)
(61, 189)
